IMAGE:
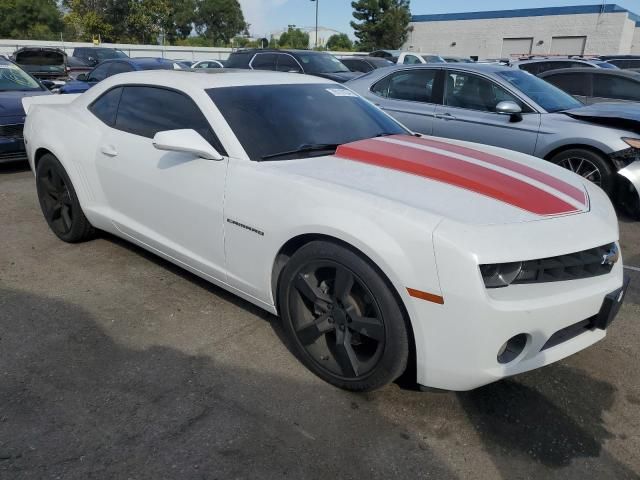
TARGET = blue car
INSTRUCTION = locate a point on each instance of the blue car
(109, 68)
(15, 84)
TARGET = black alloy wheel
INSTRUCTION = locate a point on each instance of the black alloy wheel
(59, 202)
(343, 319)
(56, 200)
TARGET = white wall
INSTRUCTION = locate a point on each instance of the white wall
(484, 37)
(635, 45)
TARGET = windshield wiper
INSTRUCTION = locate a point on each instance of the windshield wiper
(306, 148)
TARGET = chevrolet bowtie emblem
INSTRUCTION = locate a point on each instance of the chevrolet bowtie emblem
(612, 256)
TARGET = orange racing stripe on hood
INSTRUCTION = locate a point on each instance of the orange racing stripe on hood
(470, 176)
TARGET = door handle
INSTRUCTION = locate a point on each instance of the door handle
(445, 116)
(109, 150)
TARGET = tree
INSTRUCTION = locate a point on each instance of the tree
(381, 23)
(148, 18)
(33, 19)
(339, 42)
(96, 18)
(219, 20)
(294, 38)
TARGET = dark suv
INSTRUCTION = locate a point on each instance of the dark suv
(94, 55)
(320, 64)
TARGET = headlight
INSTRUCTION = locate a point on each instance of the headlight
(498, 275)
(632, 142)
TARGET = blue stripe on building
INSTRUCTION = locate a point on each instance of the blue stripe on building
(527, 12)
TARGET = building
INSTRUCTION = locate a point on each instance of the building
(583, 29)
(324, 34)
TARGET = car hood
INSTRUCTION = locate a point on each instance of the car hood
(11, 103)
(461, 181)
(339, 77)
(75, 86)
(625, 116)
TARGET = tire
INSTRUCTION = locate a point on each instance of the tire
(341, 318)
(585, 162)
(59, 202)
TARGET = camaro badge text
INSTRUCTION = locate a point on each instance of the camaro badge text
(246, 227)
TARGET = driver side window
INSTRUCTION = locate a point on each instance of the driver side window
(99, 73)
(411, 60)
(472, 92)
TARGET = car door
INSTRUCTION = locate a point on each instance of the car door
(607, 88)
(469, 113)
(170, 201)
(410, 96)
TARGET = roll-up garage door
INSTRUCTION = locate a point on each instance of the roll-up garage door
(516, 46)
(568, 45)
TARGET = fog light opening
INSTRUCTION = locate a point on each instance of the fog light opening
(512, 348)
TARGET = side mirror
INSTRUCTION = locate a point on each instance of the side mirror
(82, 77)
(48, 84)
(185, 141)
(510, 108)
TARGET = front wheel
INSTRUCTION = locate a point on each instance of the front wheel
(590, 165)
(342, 318)
(59, 202)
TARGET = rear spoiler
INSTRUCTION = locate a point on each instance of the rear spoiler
(28, 102)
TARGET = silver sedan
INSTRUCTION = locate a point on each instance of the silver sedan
(510, 108)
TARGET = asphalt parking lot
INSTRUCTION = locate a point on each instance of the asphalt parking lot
(116, 364)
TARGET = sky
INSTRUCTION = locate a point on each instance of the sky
(266, 16)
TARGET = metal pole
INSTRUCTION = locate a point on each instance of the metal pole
(317, 2)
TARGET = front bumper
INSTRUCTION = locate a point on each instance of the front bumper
(632, 173)
(12, 149)
(458, 343)
(464, 336)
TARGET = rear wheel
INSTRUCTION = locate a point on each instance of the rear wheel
(342, 318)
(59, 202)
(588, 164)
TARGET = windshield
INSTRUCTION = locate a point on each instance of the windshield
(108, 54)
(550, 98)
(321, 63)
(13, 79)
(41, 61)
(605, 65)
(270, 119)
(433, 59)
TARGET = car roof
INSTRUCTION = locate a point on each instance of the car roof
(141, 61)
(471, 67)
(48, 49)
(539, 60)
(97, 48)
(279, 50)
(217, 78)
(599, 71)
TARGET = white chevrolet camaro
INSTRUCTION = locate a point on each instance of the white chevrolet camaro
(380, 250)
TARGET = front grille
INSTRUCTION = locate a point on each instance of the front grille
(574, 266)
(12, 131)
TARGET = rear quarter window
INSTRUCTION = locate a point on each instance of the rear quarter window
(106, 106)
